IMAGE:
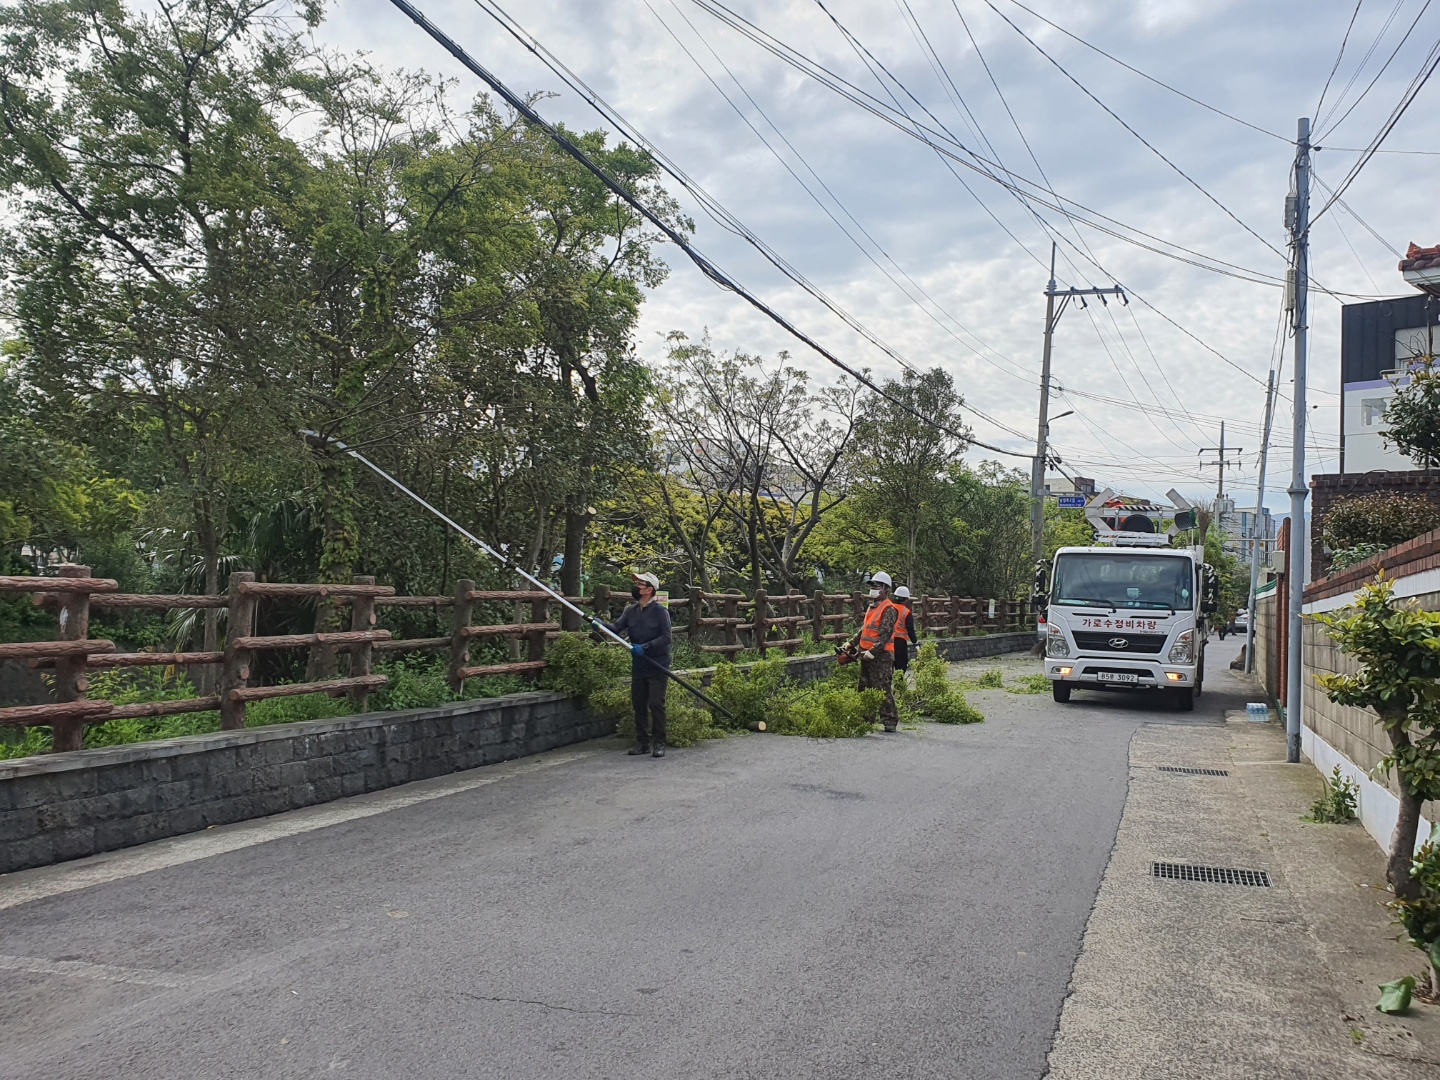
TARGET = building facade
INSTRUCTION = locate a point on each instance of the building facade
(1378, 342)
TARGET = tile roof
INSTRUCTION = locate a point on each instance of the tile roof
(1418, 258)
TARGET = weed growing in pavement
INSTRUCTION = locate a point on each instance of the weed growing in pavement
(1337, 805)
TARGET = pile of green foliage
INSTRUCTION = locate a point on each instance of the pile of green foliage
(1354, 529)
(934, 695)
(1337, 805)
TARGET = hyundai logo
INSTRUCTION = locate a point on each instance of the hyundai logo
(1119, 643)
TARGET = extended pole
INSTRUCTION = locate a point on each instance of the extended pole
(1294, 682)
(317, 439)
(1257, 539)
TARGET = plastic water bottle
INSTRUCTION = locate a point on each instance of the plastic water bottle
(1257, 711)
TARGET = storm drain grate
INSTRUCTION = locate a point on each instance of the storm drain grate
(1193, 772)
(1213, 875)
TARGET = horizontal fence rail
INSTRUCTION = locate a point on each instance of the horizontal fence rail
(721, 623)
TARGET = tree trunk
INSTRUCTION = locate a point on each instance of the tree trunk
(577, 521)
(207, 676)
(1407, 826)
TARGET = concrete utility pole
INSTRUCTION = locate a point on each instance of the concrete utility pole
(1053, 312)
(1223, 464)
(1256, 540)
(1300, 231)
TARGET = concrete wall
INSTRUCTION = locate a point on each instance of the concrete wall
(65, 806)
(1269, 664)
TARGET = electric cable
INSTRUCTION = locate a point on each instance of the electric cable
(708, 268)
(1148, 77)
(973, 161)
(1027, 377)
(1365, 59)
(1338, 56)
(1147, 144)
(1361, 221)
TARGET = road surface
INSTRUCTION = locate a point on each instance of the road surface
(897, 906)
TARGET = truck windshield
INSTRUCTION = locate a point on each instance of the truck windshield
(1123, 580)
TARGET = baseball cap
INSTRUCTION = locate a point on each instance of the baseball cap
(648, 579)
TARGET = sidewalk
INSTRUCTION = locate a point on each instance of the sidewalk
(1185, 979)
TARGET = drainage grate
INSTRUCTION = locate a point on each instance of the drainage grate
(1213, 875)
(1193, 772)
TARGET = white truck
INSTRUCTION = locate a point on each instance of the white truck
(1130, 612)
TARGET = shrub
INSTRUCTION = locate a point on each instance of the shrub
(1337, 805)
(1383, 518)
(416, 682)
(1420, 914)
(1344, 558)
(824, 711)
(577, 666)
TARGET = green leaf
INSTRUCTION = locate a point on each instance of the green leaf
(1395, 996)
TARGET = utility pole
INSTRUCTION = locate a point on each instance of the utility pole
(1294, 706)
(1223, 463)
(1053, 311)
(1257, 539)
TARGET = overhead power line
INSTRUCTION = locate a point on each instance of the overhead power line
(708, 268)
(1338, 56)
(1383, 67)
(1148, 77)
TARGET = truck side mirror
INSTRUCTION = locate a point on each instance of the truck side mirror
(1040, 594)
(1210, 596)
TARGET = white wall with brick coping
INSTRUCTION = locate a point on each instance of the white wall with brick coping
(1361, 741)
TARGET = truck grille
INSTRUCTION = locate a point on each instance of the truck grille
(1110, 643)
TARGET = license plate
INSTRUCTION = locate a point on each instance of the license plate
(1118, 676)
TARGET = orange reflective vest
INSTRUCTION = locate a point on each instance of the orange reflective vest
(870, 629)
(902, 634)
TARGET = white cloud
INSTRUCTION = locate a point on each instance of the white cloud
(1262, 62)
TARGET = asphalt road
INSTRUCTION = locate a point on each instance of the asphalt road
(896, 906)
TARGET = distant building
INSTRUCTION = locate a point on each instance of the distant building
(1247, 526)
(1066, 485)
(1379, 341)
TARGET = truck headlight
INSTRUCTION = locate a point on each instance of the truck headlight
(1183, 651)
(1055, 643)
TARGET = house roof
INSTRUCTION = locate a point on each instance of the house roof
(1418, 258)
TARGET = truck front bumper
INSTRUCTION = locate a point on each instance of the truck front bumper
(1110, 673)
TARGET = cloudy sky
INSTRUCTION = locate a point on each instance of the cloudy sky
(948, 267)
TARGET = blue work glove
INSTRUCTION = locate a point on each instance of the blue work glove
(638, 650)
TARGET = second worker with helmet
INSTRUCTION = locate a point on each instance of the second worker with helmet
(876, 644)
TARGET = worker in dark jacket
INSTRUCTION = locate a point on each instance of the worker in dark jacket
(647, 624)
(904, 631)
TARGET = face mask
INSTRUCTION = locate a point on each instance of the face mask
(635, 592)
(874, 594)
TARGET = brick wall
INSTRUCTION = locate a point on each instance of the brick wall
(1326, 489)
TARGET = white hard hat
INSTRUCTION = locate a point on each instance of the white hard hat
(881, 578)
(902, 593)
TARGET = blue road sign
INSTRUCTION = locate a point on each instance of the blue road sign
(1072, 502)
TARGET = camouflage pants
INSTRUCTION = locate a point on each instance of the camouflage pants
(879, 674)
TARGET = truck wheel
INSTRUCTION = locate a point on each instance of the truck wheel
(1060, 692)
(1185, 700)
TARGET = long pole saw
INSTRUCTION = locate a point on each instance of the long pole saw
(317, 440)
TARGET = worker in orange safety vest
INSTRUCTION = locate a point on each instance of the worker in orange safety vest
(876, 642)
(904, 630)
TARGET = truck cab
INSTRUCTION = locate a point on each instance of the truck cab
(1130, 612)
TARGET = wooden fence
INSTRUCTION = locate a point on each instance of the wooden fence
(724, 623)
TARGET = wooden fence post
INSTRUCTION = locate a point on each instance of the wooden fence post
(539, 613)
(762, 604)
(459, 640)
(602, 603)
(858, 603)
(732, 612)
(362, 617)
(817, 614)
(70, 681)
(239, 622)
